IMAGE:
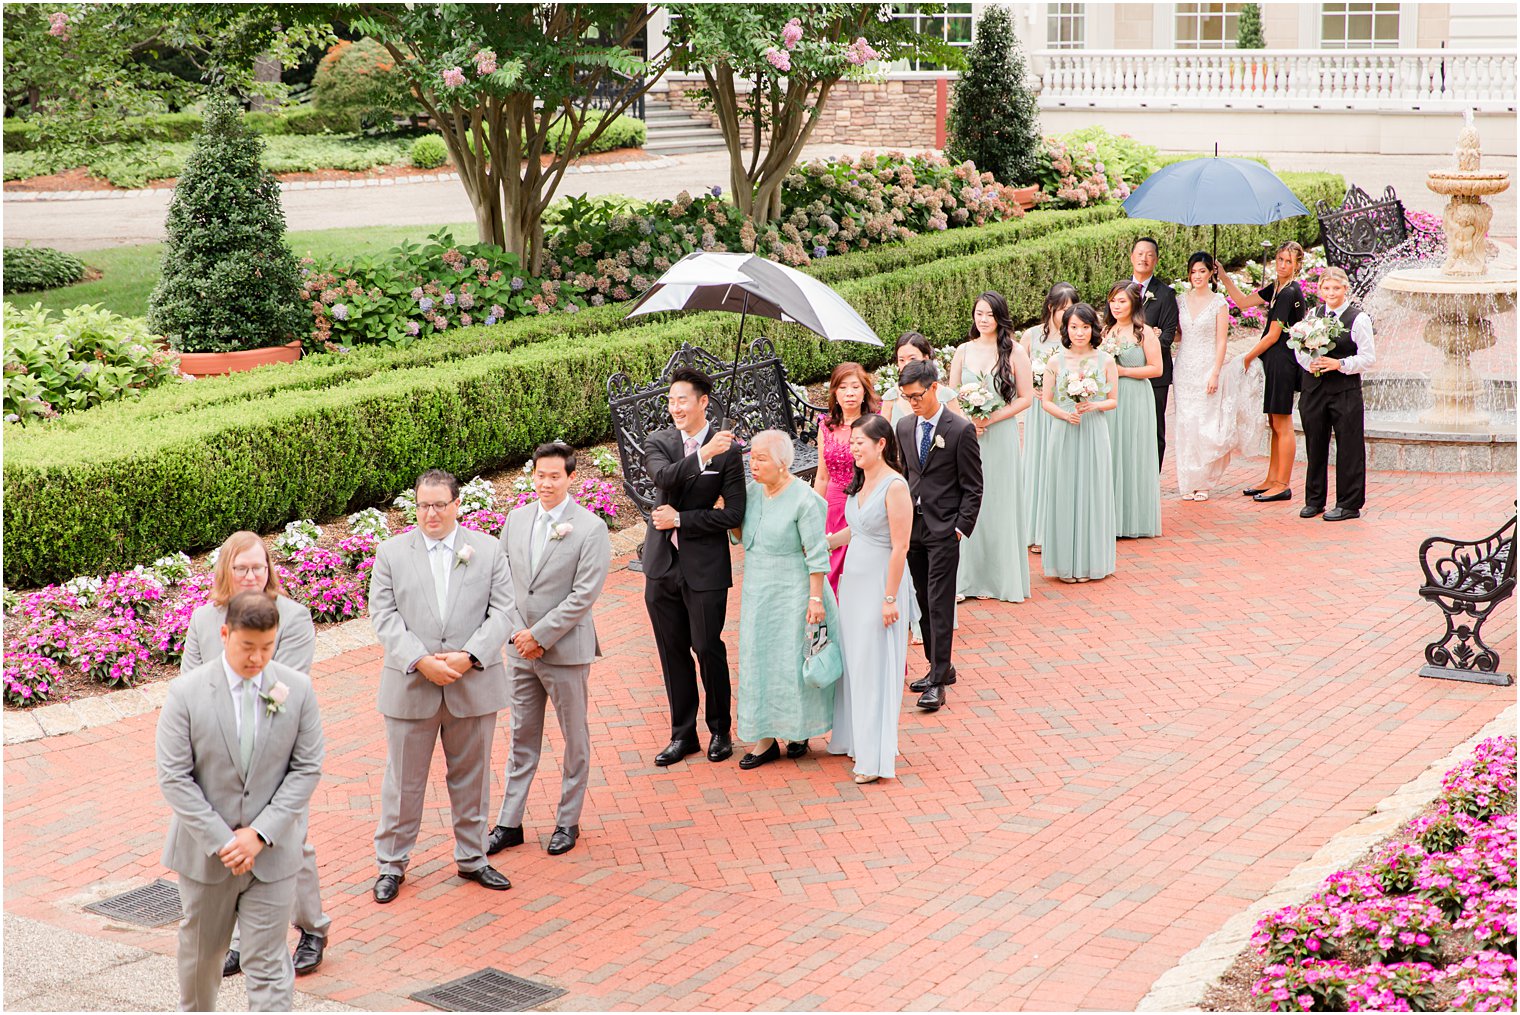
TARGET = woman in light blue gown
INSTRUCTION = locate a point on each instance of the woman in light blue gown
(1136, 349)
(1040, 343)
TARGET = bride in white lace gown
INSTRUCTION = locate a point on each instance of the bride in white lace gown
(1216, 413)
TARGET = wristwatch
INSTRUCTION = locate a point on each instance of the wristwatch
(889, 599)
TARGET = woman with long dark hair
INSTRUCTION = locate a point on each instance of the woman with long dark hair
(851, 394)
(1040, 343)
(876, 602)
(1210, 390)
(1132, 428)
(990, 373)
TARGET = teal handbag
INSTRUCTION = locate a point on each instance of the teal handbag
(823, 665)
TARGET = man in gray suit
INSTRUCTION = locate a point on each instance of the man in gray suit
(239, 753)
(438, 598)
(558, 554)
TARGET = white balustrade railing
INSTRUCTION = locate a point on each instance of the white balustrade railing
(1393, 79)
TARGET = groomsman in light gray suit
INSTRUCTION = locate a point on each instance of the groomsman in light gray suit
(239, 752)
(558, 554)
(438, 599)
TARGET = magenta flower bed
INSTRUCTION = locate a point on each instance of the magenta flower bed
(1423, 924)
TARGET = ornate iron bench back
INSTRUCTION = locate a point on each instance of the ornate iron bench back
(1476, 571)
(763, 400)
(1360, 231)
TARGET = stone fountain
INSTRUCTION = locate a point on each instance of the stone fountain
(1460, 298)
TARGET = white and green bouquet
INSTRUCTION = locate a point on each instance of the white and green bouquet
(1113, 344)
(886, 381)
(1315, 336)
(979, 400)
(1038, 362)
(1088, 382)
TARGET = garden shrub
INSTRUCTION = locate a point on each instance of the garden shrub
(429, 152)
(82, 358)
(307, 120)
(353, 435)
(994, 119)
(1123, 157)
(18, 136)
(229, 281)
(622, 132)
(361, 79)
(30, 269)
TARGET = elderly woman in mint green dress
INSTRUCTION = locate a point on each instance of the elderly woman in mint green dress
(786, 558)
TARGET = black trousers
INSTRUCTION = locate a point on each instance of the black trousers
(1337, 409)
(1162, 394)
(689, 622)
(933, 563)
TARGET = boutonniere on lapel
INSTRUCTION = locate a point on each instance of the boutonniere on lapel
(939, 441)
(1148, 297)
(274, 698)
(560, 531)
(464, 555)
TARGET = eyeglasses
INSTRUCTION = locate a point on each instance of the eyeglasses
(913, 399)
(427, 507)
(248, 571)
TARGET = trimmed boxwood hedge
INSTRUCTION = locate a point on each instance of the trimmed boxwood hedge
(123, 484)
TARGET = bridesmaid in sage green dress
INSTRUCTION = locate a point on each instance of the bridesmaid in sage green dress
(1079, 475)
(1040, 343)
(786, 559)
(1132, 430)
(995, 557)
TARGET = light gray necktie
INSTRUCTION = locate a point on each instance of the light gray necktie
(441, 575)
(245, 735)
(536, 547)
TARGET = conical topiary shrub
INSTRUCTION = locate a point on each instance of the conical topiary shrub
(229, 281)
(994, 120)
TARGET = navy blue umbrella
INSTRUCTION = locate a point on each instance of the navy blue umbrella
(1202, 192)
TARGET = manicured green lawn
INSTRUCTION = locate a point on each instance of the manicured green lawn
(129, 273)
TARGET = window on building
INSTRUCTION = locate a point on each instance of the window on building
(1359, 25)
(1065, 25)
(1207, 25)
(953, 26)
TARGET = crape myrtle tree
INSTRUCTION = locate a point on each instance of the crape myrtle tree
(768, 69)
(499, 79)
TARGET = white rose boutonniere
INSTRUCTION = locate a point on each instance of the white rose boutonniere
(274, 698)
(939, 441)
(1148, 296)
(464, 555)
(560, 531)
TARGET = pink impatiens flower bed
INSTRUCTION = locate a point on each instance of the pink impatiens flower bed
(1426, 924)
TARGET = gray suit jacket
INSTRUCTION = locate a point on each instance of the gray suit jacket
(295, 646)
(404, 610)
(554, 602)
(197, 751)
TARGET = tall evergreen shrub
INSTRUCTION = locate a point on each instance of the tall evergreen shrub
(229, 281)
(1248, 34)
(994, 121)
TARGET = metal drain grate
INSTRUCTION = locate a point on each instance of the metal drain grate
(149, 906)
(488, 990)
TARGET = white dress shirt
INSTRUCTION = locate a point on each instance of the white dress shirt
(701, 438)
(1361, 334)
(235, 685)
(554, 514)
(447, 541)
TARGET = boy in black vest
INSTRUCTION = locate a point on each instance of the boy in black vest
(1331, 402)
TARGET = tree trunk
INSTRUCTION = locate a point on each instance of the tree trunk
(266, 68)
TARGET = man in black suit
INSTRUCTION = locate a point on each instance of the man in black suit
(944, 468)
(687, 570)
(1160, 301)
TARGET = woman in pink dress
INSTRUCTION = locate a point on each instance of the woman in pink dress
(851, 394)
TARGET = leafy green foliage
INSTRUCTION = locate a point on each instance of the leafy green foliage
(361, 78)
(1248, 33)
(28, 269)
(429, 152)
(1123, 157)
(994, 120)
(83, 358)
(229, 282)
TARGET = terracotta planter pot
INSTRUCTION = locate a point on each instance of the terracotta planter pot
(1026, 196)
(214, 364)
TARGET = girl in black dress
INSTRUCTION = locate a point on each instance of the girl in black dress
(1286, 306)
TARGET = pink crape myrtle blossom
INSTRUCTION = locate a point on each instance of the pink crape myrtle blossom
(779, 59)
(792, 33)
(453, 77)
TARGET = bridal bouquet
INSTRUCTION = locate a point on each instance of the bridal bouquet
(979, 400)
(1315, 336)
(1087, 383)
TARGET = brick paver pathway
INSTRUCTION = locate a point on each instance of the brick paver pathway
(1122, 766)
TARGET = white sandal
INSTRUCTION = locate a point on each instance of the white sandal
(1200, 495)
(1187, 496)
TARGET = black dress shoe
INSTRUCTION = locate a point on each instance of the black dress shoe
(925, 682)
(503, 836)
(796, 749)
(488, 877)
(932, 699)
(721, 748)
(1285, 494)
(308, 953)
(387, 886)
(1341, 514)
(232, 964)
(1309, 511)
(563, 839)
(765, 757)
(675, 752)
(1252, 491)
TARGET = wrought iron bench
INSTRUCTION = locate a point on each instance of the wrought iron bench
(766, 401)
(1361, 234)
(1467, 583)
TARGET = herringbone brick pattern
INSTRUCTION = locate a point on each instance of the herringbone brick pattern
(1122, 766)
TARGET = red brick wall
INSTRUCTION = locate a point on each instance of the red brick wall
(897, 114)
